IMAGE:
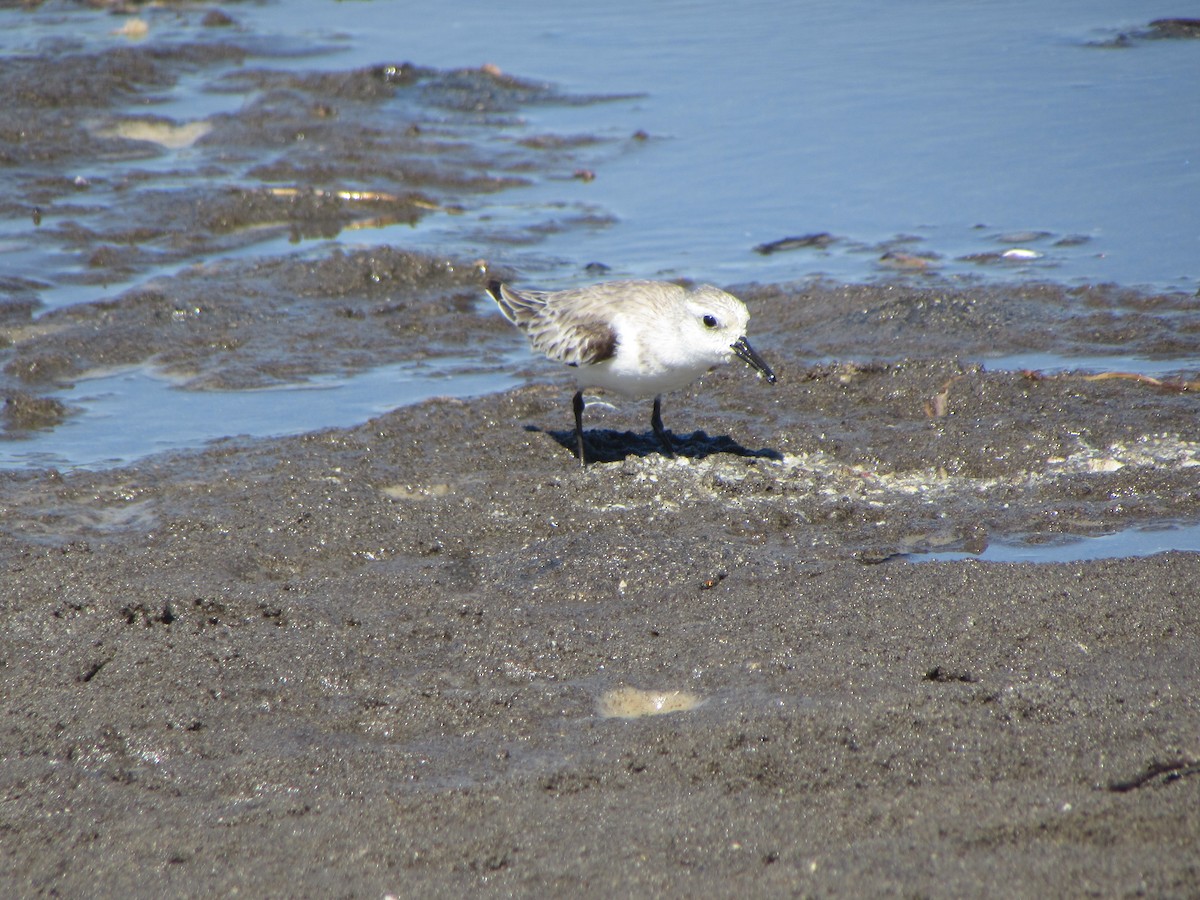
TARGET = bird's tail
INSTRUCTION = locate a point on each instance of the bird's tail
(517, 307)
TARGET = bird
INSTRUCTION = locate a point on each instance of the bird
(637, 338)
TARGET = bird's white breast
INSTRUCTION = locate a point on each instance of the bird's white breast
(648, 361)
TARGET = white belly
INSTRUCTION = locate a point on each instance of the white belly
(634, 381)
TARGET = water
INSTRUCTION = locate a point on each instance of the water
(1139, 541)
(863, 119)
(123, 419)
(1050, 363)
(953, 122)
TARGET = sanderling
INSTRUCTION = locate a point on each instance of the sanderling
(638, 338)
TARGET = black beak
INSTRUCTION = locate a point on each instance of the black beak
(747, 355)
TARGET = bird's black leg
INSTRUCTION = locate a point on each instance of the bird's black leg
(577, 405)
(657, 425)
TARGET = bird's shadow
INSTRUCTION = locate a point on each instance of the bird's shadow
(606, 445)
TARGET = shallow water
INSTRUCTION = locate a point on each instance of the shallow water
(123, 412)
(1140, 541)
(957, 123)
(960, 125)
(1049, 363)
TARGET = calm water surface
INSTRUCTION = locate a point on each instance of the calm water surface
(952, 121)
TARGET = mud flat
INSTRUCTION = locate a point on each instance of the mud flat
(430, 655)
(384, 659)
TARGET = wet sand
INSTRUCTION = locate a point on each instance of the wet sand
(385, 659)
(374, 660)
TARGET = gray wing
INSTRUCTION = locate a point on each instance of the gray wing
(563, 330)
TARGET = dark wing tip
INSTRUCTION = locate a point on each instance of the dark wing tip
(493, 288)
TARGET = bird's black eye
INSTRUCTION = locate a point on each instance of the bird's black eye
(709, 321)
